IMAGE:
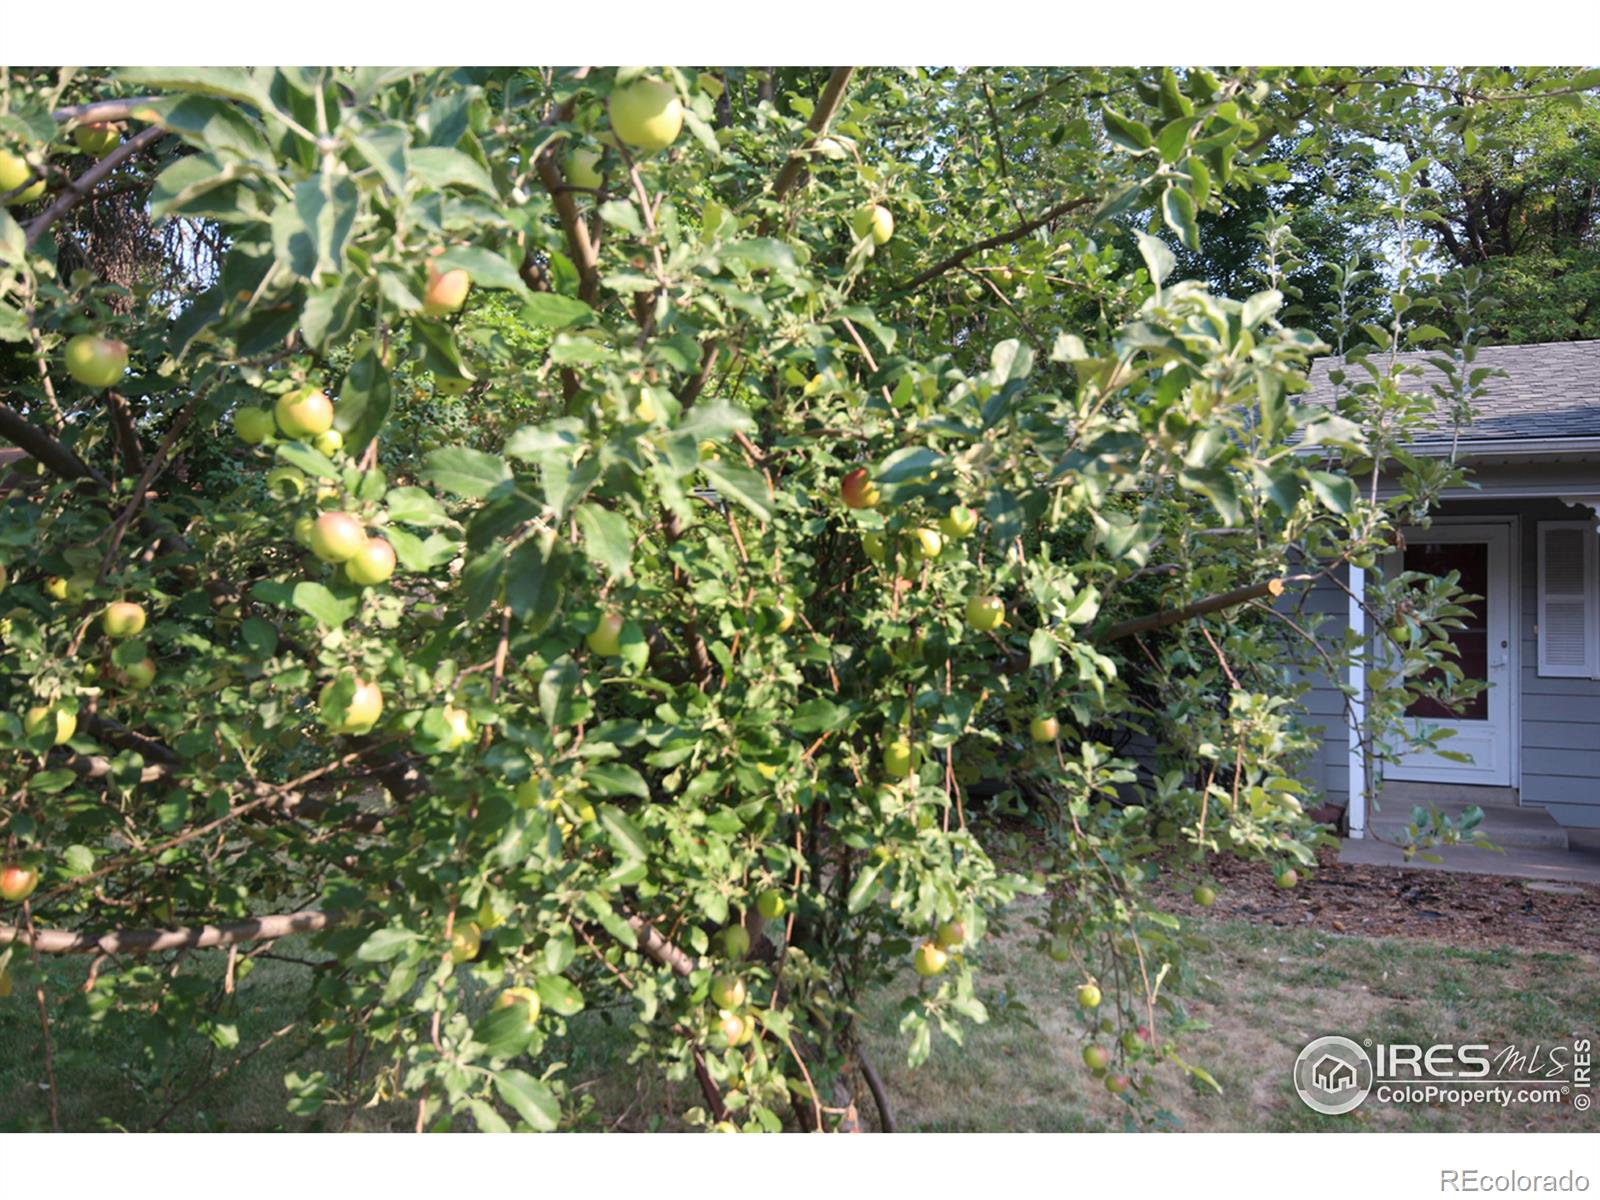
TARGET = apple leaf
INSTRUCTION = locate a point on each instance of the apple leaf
(623, 215)
(442, 167)
(1336, 492)
(715, 420)
(465, 472)
(364, 399)
(559, 996)
(607, 539)
(738, 482)
(616, 779)
(815, 716)
(416, 554)
(912, 462)
(864, 888)
(385, 944)
(536, 581)
(413, 506)
(504, 1032)
(489, 1121)
(533, 1101)
(1125, 132)
(625, 835)
(310, 460)
(485, 267)
(1177, 210)
(760, 254)
(550, 310)
(319, 602)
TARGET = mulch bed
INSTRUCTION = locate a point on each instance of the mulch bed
(1464, 910)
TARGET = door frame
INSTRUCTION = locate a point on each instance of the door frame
(1513, 585)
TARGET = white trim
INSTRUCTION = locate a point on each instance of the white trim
(1356, 712)
(1590, 594)
(1532, 447)
(1511, 734)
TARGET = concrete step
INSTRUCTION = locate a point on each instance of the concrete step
(1561, 870)
(1526, 827)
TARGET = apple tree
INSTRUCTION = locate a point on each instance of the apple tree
(701, 547)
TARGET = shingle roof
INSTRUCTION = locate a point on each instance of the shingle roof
(1549, 390)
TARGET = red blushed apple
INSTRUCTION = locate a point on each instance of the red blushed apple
(336, 537)
(96, 362)
(446, 292)
(858, 491)
(17, 882)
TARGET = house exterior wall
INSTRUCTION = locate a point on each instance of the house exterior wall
(1322, 608)
(1559, 719)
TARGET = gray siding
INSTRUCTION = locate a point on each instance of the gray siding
(1322, 609)
(1560, 717)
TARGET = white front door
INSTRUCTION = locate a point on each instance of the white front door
(1482, 727)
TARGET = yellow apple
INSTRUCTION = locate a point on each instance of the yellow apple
(305, 413)
(647, 114)
(446, 291)
(123, 619)
(13, 172)
(47, 719)
(366, 706)
(371, 564)
(337, 536)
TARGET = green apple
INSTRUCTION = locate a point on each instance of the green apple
(985, 613)
(1287, 878)
(463, 730)
(97, 138)
(1096, 1058)
(446, 291)
(874, 221)
(951, 935)
(286, 483)
(59, 723)
(770, 904)
(1060, 948)
(306, 413)
(1205, 895)
(14, 171)
(858, 491)
(927, 543)
(736, 942)
(302, 529)
(583, 168)
(122, 619)
(873, 545)
(140, 675)
(959, 522)
(1044, 729)
(366, 706)
(525, 997)
(56, 586)
(372, 564)
(337, 536)
(727, 991)
(330, 442)
(95, 361)
(606, 638)
(253, 424)
(1088, 996)
(930, 959)
(899, 758)
(465, 942)
(646, 114)
(736, 1028)
(17, 882)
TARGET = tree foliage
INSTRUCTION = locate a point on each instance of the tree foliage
(639, 664)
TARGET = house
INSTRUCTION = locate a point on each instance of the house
(1524, 536)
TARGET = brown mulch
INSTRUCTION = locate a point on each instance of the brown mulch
(1362, 901)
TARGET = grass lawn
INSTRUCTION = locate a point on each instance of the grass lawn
(1271, 991)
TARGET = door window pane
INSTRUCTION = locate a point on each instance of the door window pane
(1471, 559)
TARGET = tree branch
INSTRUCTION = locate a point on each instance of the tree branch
(80, 187)
(827, 105)
(1000, 239)
(147, 941)
(45, 449)
(1173, 616)
(105, 110)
